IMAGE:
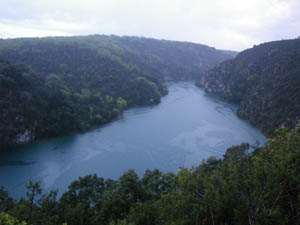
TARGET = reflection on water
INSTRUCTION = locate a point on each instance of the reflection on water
(15, 163)
(186, 127)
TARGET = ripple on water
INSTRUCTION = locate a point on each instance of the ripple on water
(185, 128)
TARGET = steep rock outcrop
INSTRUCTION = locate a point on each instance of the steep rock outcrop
(265, 80)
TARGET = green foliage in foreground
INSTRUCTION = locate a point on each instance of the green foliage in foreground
(6, 219)
(261, 187)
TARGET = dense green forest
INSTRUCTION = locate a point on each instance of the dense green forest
(54, 86)
(35, 106)
(264, 80)
(245, 187)
(101, 55)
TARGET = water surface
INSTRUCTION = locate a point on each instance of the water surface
(186, 127)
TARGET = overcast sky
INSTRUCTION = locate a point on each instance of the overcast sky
(224, 24)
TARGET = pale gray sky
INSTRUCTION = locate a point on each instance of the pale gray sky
(224, 24)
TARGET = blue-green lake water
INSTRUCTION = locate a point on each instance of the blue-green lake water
(185, 128)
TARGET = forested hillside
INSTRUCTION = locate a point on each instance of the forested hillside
(54, 86)
(265, 80)
(261, 187)
(99, 54)
(34, 105)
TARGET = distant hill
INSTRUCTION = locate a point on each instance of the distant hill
(229, 52)
(89, 55)
(265, 80)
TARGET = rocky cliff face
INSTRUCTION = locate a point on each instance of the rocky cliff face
(24, 138)
(265, 80)
(18, 100)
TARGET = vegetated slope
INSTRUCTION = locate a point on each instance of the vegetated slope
(265, 80)
(87, 55)
(74, 83)
(173, 60)
(261, 187)
(33, 105)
